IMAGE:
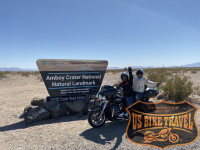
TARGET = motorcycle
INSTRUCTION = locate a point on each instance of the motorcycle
(163, 135)
(112, 104)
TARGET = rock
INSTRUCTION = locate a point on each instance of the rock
(49, 104)
(67, 113)
(80, 114)
(35, 113)
(38, 101)
(88, 106)
(76, 106)
(56, 108)
(27, 108)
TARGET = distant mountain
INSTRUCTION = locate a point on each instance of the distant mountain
(192, 65)
(16, 69)
(114, 68)
(109, 68)
(144, 67)
(134, 67)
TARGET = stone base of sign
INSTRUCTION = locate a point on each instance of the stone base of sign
(38, 101)
(41, 109)
(75, 106)
(56, 108)
(35, 113)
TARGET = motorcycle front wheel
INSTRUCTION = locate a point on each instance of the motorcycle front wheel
(94, 120)
(173, 138)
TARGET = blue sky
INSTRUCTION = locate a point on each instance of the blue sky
(124, 32)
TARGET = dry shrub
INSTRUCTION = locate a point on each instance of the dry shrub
(114, 71)
(3, 74)
(193, 71)
(24, 73)
(35, 73)
(159, 75)
(27, 73)
(177, 88)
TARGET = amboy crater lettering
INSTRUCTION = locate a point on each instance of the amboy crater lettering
(72, 79)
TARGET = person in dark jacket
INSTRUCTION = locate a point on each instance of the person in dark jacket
(127, 84)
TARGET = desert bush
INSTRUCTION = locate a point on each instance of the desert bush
(193, 71)
(159, 75)
(24, 73)
(177, 88)
(3, 74)
(114, 71)
(35, 73)
(178, 70)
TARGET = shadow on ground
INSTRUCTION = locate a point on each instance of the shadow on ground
(22, 125)
(107, 133)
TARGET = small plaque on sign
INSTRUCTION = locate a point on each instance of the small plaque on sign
(72, 79)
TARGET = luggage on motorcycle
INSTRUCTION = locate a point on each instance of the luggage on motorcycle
(108, 91)
(150, 93)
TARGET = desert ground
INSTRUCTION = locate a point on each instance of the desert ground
(67, 132)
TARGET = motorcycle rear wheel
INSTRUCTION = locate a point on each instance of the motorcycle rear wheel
(149, 137)
(93, 119)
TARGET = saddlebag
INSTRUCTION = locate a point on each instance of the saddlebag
(149, 93)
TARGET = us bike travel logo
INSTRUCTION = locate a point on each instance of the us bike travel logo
(162, 124)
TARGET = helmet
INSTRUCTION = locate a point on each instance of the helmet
(140, 71)
(124, 74)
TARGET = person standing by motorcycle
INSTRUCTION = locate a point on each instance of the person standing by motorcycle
(140, 83)
(127, 84)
